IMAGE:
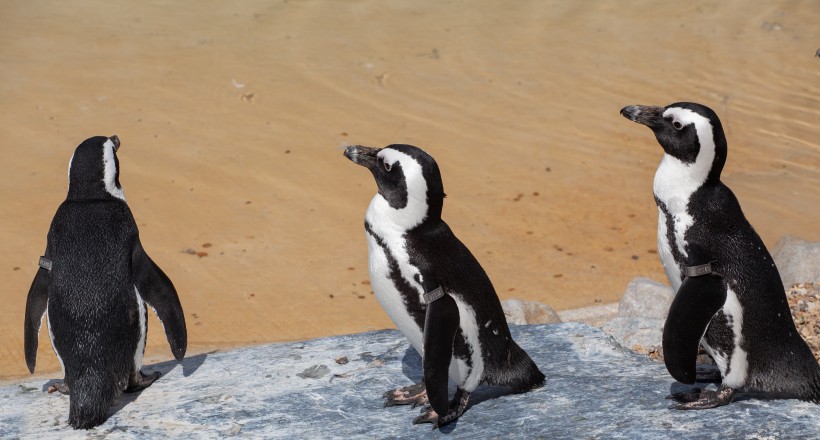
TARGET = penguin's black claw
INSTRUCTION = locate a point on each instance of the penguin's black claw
(707, 399)
(414, 395)
(428, 415)
(61, 387)
(140, 381)
(455, 410)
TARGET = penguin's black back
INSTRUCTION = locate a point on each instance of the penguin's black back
(92, 304)
(434, 248)
(778, 358)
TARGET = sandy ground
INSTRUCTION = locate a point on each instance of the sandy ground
(233, 116)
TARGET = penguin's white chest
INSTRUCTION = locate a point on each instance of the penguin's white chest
(383, 279)
(670, 265)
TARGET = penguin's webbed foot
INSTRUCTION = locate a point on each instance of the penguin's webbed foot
(703, 399)
(140, 381)
(455, 410)
(61, 387)
(414, 395)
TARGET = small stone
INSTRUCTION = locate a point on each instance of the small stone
(645, 298)
(797, 260)
(341, 360)
(520, 312)
(314, 372)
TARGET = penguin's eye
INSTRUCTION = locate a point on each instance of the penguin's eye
(387, 166)
(677, 125)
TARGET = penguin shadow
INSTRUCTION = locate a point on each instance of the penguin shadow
(412, 366)
(189, 366)
(712, 383)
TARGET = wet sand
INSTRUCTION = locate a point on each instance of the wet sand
(233, 117)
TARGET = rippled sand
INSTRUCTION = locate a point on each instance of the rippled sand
(233, 118)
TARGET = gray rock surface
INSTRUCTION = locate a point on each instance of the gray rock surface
(645, 298)
(641, 315)
(595, 389)
(595, 316)
(643, 335)
(797, 260)
(520, 312)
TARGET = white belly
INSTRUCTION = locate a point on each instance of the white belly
(53, 345)
(389, 297)
(465, 376)
(733, 368)
(670, 266)
(143, 330)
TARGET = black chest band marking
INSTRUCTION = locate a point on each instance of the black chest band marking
(433, 295)
(45, 263)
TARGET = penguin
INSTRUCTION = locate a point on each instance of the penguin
(729, 295)
(434, 289)
(94, 282)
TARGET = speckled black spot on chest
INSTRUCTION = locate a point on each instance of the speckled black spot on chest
(409, 295)
(393, 187)
(670, 234)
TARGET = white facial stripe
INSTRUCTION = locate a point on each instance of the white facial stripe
(111, 171)
(381, 213)
(675, 181)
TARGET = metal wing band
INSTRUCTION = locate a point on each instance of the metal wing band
(433, 295)
(45, 263)
(697, 271)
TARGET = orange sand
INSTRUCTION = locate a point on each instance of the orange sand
(233, 116)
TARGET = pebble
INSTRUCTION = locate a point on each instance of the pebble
(803, 299)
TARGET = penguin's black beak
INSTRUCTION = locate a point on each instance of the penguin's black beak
(364, 156)
(651, 116)
(116, 141)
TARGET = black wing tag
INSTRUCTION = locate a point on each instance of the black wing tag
(440, 327)
(45, 263)
(157, 290)
(700, 270)
(437, 293)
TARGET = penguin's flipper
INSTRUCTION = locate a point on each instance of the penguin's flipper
(697, 301)
(157, 290)
(440, 327)
(36, 306)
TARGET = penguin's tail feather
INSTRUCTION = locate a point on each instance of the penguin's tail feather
(90, 398)
(517, 371)
(811, 392)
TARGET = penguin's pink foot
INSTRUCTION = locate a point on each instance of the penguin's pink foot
(703, 399)
(61, 387)
(414, 395)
